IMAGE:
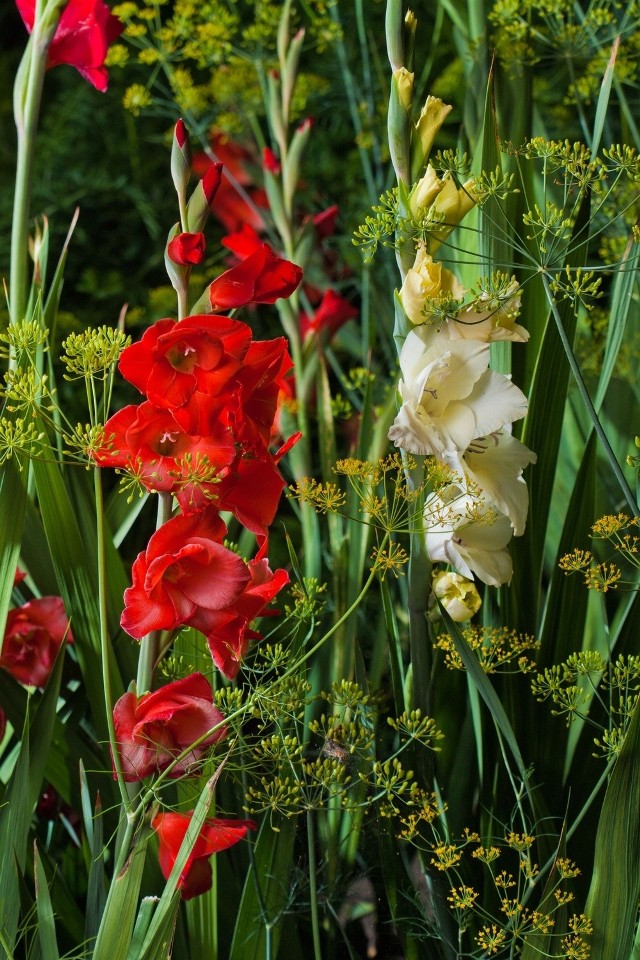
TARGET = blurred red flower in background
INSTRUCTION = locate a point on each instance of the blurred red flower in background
(330, 315)
(33, 636)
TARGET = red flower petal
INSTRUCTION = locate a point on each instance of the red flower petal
(216, 835)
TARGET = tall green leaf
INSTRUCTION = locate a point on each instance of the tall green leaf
(22, 794)
(114, 936)
(74, 557)
(612, 903)
(13, 500)
(266, 893)
(46, 922)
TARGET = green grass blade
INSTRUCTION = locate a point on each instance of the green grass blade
(543, 428)
(143, 921)
(160, 929)
(46, 922)
(612, 903)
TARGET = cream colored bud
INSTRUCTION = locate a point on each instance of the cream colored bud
(425, 281)
(424, 193)
(431, 119)
(403, 80)
(457, 594)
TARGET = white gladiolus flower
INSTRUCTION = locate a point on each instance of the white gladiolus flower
(425, 281)
(468, 534)
(495, 463)
(457, 594)
(449, 396)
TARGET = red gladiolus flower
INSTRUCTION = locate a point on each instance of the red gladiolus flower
(84, 32)
(184, 575)
(216, 835)
(251, 490)
(158, 448)
(187, 249)
(173, 360)
(229, 639)
(243, 242)
(260, 379)
(152, 730)
(33, 636)
(333, 313)
(261, 278)
(19, 576)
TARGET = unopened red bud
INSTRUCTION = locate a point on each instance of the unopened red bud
(181, 134)
(180, 159)
(306, 124)
(211, 181)
(270, 162)
(187, 249)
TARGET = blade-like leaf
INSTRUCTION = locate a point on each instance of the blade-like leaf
(46, 922)
(116, 928)
(612, 903)
(266, 893)
(13, 500)
(484, 687)
(22, 794)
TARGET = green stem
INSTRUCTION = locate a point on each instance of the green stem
(586, 399)
(150, 645)
(26, 110)
(104, 637)
(313, 890)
